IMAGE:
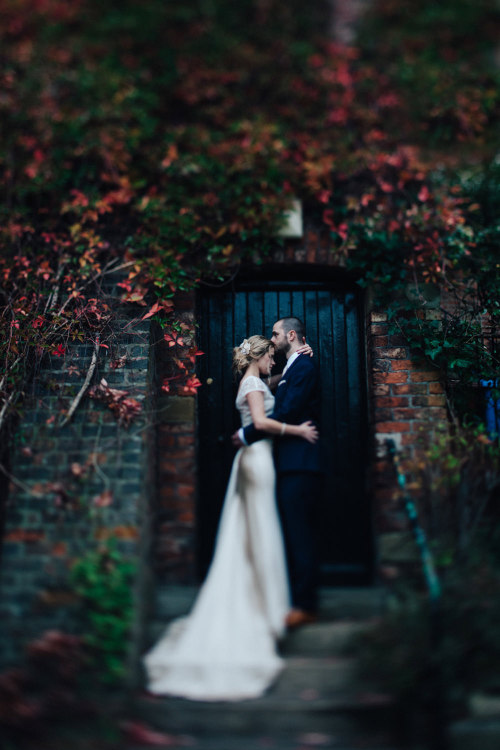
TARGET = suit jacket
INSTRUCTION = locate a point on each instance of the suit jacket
(297, 400)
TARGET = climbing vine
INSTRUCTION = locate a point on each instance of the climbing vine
(102, 580)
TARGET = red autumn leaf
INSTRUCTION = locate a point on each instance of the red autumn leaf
(116, 364)
(180, 364)
(77, 469)
(386, 187)
(152, 311)
(314, 739)
(59, 351)
(189, 389)
(366, 198)
(342, 230)
(165, 305)
(104, 500)
(172, 155)
(328, 218)
(423, 194)
(123, 407)
(193, 353)
(141, 734)
(173, 340)
(79, 198)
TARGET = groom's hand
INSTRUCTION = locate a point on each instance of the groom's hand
(235, 439)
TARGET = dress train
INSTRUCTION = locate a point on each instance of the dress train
(225, 649)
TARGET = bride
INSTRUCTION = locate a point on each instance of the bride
(225, 649)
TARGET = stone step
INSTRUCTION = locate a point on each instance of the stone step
(303, 678)
(311, 695)
(319, 694)
(334, 603)
(352, 603)
(321, 639)
(475, 734)
(306, 679)
(325, 638)
(304, 741)
(363, 719)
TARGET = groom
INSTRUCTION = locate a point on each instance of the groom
(298, 468)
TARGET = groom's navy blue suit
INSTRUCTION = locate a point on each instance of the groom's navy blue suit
(299, 473)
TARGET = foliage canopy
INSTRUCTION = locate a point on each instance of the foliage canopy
(169, 140)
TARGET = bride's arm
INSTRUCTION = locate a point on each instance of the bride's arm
(306, 430)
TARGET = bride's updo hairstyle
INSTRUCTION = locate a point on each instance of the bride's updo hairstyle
(249, 350)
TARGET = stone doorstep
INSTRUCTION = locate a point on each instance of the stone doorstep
(313, 680)
(335, 603)
(323, 639)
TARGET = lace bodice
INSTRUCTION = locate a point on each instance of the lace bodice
(252, 383)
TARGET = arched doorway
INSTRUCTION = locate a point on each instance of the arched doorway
(333, 314)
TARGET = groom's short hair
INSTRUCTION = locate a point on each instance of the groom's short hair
(294, 324)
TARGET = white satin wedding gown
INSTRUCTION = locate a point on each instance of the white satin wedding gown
(225, 649)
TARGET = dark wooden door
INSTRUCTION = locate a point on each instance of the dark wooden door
(333, 319)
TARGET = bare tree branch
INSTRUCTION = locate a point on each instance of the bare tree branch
(22, 486)
(81, 392)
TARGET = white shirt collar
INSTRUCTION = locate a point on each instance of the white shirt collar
(290, 362)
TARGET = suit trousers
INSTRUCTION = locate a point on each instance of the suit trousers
(298, 504)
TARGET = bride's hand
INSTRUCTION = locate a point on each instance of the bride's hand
(309, 431)
(305, 349)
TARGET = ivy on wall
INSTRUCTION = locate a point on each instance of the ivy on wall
(167, 141)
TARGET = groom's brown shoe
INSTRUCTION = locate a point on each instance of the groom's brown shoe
(298, 617)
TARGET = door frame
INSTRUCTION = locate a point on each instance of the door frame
(253, 278)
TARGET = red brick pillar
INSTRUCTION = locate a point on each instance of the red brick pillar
(406, 399)
(174, 516)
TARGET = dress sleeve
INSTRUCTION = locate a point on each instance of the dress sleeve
(252, 383)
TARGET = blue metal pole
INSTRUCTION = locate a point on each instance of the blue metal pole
(439, 738)
(433, 584)
(492, 408)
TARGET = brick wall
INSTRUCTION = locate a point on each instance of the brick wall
(57, 474)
